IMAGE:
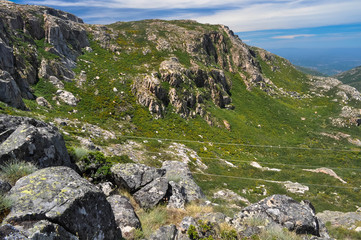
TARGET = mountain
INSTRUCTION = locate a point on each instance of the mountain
(328, 61)
(241, 118)
(351, 77)
(310, 71)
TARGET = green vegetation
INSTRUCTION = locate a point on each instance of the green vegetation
(278, 132)
(5, 206)
(351, 77)
(13, 170)
(342, 233)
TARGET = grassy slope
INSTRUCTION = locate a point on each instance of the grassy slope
(257, 119)
(351, 77)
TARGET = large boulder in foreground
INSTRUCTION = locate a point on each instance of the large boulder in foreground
(179, 172)
(132, 176)
(31, 140)
(61, 197)
(282, 210)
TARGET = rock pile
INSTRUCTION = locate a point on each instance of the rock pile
(173, 183)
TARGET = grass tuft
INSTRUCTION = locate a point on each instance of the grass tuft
(15, 169)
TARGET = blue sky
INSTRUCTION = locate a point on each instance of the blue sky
(268, 24)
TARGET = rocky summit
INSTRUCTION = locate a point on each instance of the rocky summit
(168, 130)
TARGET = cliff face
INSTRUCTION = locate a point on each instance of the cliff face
(37, 42)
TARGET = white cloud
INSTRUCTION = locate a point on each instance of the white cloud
(146, 4)
(287, 15)
(239, 15)
(293, 36)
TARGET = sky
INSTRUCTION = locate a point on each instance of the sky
(271, 24)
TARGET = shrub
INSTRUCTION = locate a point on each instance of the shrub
(78, 153)
(95, 165)
(193, 233)
(15, 169)
(228, 232)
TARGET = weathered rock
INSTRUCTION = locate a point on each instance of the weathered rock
(46, 230)
(282, 210)
(6, 57)
(56, 82)
(341, 219)
(43, 102)
(230, 196)
(125, 216)
(59, 195)
(8, 231)
(152, 194)
(184, 226)
(63, 31)
(214, 217)
(181, 171)
(295, 187)
(4, 187)
(32, 141)
(9, 91)
(134, 176)
(106, 187)
(67, 97)
(165, 233)
(178, 197)
(257, 165)
(326, 171)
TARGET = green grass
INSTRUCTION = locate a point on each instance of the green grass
(13, 170)
(342, 233)
(257, 119)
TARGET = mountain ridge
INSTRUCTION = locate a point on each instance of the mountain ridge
(152, 91)
(351, 77)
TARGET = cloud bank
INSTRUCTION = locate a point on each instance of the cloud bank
(239, 15)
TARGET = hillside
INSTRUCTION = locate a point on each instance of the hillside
(351, 77)
(241, 118)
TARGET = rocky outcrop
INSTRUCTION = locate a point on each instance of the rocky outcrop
(67, 97)
(9, 91)
(58, 196)
(295, 187)
(230, 196)
(181, 173)
(43, 102)
(156, 91)
(178, 197)
(153, 193)
(327, 171)
(173, 183)
(29, 31)
(125, 216)
(32, 141)
(282, 210)
(134, 176)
